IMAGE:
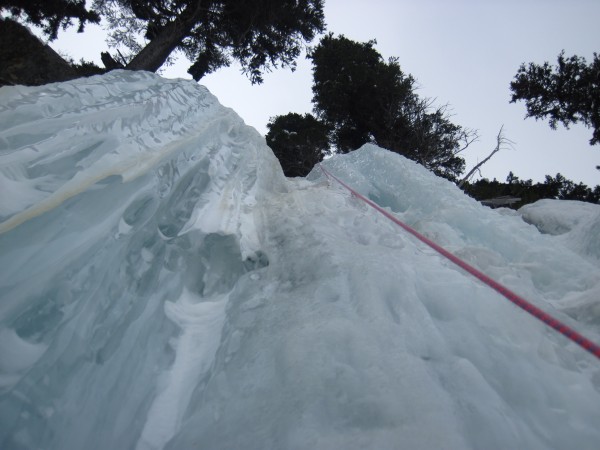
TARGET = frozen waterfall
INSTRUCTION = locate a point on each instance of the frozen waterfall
(163, 285)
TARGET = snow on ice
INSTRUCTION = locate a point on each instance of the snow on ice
(163, 285)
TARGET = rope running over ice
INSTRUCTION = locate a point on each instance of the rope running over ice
(565, 330)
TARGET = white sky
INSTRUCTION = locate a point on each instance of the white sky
(464, 53)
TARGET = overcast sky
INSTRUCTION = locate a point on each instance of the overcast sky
(462, 53)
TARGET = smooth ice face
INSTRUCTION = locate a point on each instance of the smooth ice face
(164, 286)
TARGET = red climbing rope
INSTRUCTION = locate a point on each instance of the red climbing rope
(567, 331)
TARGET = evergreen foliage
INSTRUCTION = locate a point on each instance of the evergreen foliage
(567, 93)
(86, 68)
(26, 60)
(364, 98)
(50, 15)
(356, 91)
(359, 97)
(299, 142)
(259, 34)
(557, 187)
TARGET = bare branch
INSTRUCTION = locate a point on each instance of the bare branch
(469, 136)
(501, 142)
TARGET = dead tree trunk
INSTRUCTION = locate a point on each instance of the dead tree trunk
(501, 140)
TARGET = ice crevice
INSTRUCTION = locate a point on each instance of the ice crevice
(200, 321)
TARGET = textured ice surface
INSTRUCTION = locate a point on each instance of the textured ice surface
(164, 286)
(577, 224)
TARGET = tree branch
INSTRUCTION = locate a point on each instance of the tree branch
(501, 142)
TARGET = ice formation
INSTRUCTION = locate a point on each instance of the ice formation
(163, 285)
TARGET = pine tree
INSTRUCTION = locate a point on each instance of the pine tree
(299, 142)
(50, 15)
(568, 93)
(364, 98)
(259, 34)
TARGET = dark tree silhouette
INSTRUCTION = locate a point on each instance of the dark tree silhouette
(364, 98)
(299, 142)
(259, 34)
(50, 15)
(557, 187)
(567, 93)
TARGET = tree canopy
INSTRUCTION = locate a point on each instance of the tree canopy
(568, 93)
(364, 98)
(359, 97)
(50, 15)
(259, 34)
(298, 141)
(356, 91)
(557, 187)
